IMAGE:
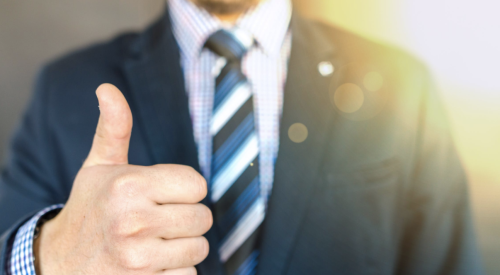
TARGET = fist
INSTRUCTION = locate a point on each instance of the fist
(125, 219)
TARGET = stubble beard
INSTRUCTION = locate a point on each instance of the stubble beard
(226, 7)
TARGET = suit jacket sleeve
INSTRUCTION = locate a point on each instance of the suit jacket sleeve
(29, 181)
(438, 231)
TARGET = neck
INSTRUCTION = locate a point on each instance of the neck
(229, 19)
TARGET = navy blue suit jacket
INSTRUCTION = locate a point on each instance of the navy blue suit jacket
(376, 191)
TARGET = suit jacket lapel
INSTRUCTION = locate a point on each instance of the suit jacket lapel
(159, 99)
(306, 101)
(160, 107)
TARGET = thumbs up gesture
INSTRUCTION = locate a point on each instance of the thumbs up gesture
(125, 219)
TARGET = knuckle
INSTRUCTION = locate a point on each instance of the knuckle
(133, 258)
(125, 185)
(127, 225)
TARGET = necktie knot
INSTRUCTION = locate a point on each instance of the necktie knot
(230, 44)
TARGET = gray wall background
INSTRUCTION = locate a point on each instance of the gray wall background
(34, 32)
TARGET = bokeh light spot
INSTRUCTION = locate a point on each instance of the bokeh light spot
(373, 81)
(326, 68)
(298, 132)
(348, 98)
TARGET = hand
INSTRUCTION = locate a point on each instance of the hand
(125, 219)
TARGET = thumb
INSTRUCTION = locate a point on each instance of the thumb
(112, 137)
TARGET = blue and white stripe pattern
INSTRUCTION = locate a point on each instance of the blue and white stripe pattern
(264, 66)
(240, 169)
(239, 208)
(22, 258)
(249, 266)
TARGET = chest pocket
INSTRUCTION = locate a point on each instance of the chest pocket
(363, 176)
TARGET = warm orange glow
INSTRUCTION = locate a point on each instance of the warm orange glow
(373, 81)
(459, 41)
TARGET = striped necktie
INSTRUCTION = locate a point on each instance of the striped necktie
(235, 190)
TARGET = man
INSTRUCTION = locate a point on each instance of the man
(324, 153)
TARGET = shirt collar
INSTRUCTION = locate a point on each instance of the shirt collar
(192, 25)
(268, 23)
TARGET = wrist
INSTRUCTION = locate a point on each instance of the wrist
(43, 236)
(22, 255)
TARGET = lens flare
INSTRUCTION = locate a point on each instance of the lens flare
(298, 132)
(348, 98)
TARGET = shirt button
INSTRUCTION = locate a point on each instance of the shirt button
(326, 68)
